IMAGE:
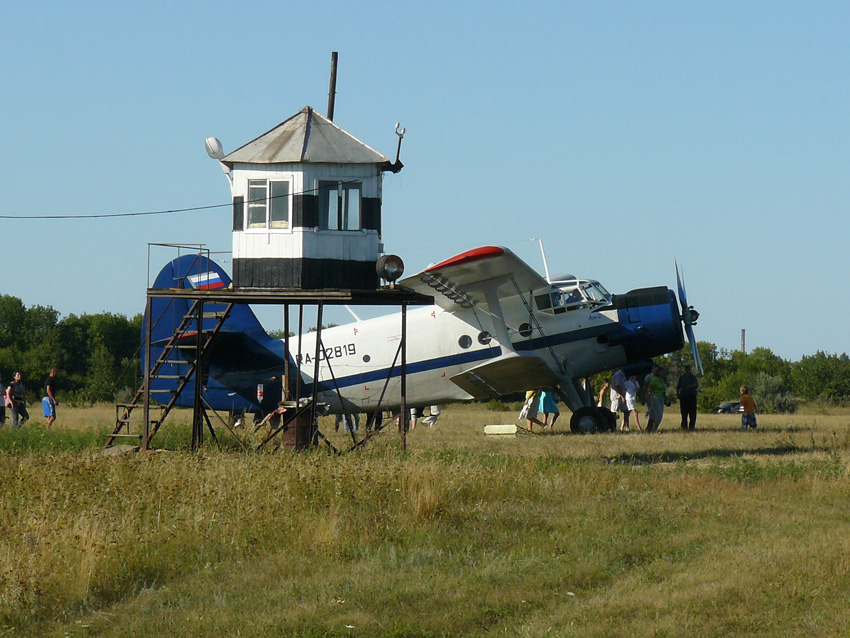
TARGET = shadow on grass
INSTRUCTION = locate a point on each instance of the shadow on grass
(734, 431)
(711, 453)
(775, 429)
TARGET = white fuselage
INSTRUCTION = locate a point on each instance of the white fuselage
(442, 344)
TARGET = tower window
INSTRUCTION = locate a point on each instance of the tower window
(268, 203)
(339, 205)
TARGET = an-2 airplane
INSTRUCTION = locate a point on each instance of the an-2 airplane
(497, 328)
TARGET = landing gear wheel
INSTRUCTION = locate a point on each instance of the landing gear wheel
(587, 420)
(610, 420)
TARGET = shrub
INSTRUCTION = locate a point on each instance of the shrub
(497, 405)
(771, 395)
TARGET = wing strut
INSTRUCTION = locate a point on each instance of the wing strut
(490, 288)
(533, 319)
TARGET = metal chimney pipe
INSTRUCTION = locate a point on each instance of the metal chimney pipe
(332, 89)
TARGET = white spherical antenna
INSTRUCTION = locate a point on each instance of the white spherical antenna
(214, 149)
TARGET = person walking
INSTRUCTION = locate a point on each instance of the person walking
(656, 390)
(618, 396)
(549, 405)
(605, 385)
(351, 421)
(748, 417)
(686, 391)
(16, 394)
(531, 407)
(49, 401)
(632, 387)
(415, 415)
(431, 419)
(2, 403)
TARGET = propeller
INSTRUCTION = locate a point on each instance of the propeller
(689, 318)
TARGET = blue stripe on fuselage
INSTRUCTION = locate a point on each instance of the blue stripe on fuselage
(426, 365)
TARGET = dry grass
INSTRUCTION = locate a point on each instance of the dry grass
(712, 533)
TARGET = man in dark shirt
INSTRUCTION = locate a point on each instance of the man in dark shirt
(49, 401)
(686, 390)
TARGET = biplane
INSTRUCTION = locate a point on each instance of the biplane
(497, 327)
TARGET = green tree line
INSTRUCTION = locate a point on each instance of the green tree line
(97, 356)
(776, 384)
(90, 351)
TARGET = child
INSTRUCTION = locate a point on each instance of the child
(748, 418)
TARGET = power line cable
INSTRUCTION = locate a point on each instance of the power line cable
(173, 210)
(103, 215)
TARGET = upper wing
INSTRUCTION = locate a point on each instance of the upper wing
(456, 281)
(483, 278)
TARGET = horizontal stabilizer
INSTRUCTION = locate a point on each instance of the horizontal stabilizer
(506, 375)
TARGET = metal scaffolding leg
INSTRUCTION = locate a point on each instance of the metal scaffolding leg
(146, 410)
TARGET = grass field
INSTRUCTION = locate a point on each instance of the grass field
(712, 533)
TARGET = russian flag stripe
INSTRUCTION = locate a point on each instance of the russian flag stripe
(206, 281)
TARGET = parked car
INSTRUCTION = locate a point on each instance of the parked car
(730, 407)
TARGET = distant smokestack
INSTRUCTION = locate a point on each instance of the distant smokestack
(743, 340)
(332, 89)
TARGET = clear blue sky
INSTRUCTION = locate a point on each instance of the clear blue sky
(623, 133)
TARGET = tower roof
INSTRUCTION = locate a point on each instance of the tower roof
(307, 136)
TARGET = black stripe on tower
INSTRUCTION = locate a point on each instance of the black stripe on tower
(309, 274)
(238, 212)
(305, 211)
(372, 214)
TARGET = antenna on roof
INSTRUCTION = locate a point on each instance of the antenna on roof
(332, 88)
(400, 132)
(396, 166)
(545, 263)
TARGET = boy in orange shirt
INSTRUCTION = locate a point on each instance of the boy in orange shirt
(748, 418)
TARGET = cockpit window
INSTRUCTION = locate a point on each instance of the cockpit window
(574, 294)
(544, 302)
(560, 298)
(595, 291)
(566, 297)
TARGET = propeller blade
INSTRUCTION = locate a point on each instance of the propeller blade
(689, 329)
(683, 296)
(689, 318)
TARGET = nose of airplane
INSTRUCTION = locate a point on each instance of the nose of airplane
(649, 322)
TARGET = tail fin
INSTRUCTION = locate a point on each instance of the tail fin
(240, 357)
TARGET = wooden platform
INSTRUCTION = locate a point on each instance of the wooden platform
(381, 297)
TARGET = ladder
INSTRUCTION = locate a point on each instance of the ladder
(176, 352)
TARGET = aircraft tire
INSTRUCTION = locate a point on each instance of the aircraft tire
(587, 420)
(610, 420)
